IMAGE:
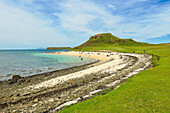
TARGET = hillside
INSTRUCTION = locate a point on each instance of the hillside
(107, 39)
(148, 91)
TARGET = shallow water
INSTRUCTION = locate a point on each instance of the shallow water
(31, 62)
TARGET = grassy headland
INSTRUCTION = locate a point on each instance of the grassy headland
(148, 91)
(108, 40)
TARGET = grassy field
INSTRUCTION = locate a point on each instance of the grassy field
(148, 91)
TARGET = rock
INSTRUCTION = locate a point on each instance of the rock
(20, 107)
(58, 103)
(36, 100)
(59, 97)
(51, 100)
(15, 96)
(56, 99)
(70, 82)
(30, 72)
(21, 81)
(13, 81)
(27, 81)
(50, 68)
(39, 70)
(23, 70)
(4, 99)
(101, 87)
(11, 95)
(15, 77)
(18, 83)
(8, 75)
(18, 95)
(85, 81)
(119, 69)
(120, 57)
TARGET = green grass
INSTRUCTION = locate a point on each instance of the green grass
(148, 91)
(108, 40)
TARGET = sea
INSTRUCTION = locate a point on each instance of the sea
(31, 62)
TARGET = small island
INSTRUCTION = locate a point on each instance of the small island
(58, 48)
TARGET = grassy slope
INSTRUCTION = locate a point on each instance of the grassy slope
(108, 40)
(148, 91)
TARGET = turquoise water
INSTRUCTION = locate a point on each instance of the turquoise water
(31, 62)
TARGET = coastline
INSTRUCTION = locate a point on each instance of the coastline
(38, 70)
(83, 54)
(37, 78)
(77, 82)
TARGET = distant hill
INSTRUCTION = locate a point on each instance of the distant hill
(58, 48)
(106, 39)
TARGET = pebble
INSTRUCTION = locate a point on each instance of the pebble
(51, 100)
(50, 68)
(27, 81)
(70, 82)
(8, 75)
(20, 107)
(4, 99)
(39, 70)
(21, 81)
(23, 70)
(58, 103)
(36, 100)
(13, 81)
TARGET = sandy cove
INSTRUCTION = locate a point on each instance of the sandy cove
(52, 95)
(96, 55)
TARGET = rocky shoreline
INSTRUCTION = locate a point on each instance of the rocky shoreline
(52, 91)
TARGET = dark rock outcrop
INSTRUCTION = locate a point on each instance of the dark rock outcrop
(16, 77)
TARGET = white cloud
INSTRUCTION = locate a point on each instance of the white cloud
(112, 6)
(73, 21)
(19, 28)
(141, 21)
(76, 15)
(151, 26)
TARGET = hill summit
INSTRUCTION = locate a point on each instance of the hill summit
(107, 39)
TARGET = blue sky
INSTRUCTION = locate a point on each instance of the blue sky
(43, 23)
